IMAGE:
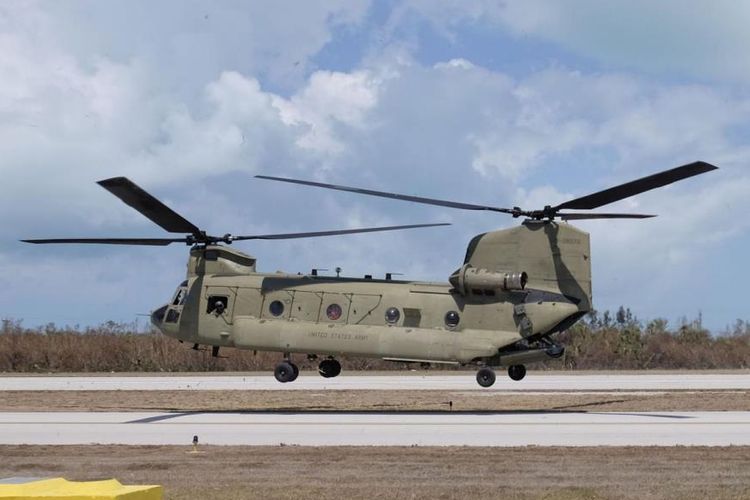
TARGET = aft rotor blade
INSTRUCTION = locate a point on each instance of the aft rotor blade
(638, 186)
(584, 216)
(315, 234)
(394, 196)
(158, 212)
(112, 241)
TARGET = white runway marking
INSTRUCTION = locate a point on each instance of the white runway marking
(405, 429)
(535, 381)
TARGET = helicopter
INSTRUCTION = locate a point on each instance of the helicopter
(502, 307)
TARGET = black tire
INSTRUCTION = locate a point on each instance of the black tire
(486, 377)
(329, 368)
(336, 368)
(517, 372)
(324, 368)
(295, 372)
(284, 372)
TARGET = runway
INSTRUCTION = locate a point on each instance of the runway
(353, 429)
(465, 381)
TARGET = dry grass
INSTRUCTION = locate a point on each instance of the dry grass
(370, 401)
(360, 473)
(621, 342)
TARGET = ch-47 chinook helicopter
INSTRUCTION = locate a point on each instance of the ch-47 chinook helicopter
(516, 288)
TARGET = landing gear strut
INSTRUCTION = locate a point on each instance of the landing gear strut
(286, 371)
(517, 372)
(329, 368)
(486, 376)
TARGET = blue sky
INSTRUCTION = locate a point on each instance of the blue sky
(506, 103)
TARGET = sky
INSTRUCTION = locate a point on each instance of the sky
(510, 103)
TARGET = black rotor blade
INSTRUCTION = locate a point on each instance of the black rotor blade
(288, 236)
(638, 186)
(155, 210)
(395, 196)
(112, 241)
(569, 216)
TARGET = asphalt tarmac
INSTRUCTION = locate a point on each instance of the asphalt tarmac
(380, 429)
(465, 381)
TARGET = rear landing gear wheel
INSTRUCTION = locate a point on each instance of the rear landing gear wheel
(486, 376)
(285, 372)
(295, 372)
(517, 372)
(329, 368)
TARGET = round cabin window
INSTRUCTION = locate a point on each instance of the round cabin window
(392, 315)
(452, 318)
(276, 308)
(333, 312)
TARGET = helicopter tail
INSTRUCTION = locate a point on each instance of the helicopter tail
(555, 257)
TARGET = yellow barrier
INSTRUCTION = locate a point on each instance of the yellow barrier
(59, 488)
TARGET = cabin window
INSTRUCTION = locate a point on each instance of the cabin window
(333, 312)
(412, 317)
(392, 315)
(451, 319)
(217, 303)
(276, 308)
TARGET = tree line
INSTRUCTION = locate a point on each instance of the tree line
(601, 341)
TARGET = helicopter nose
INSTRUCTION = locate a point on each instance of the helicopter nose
(158, 316)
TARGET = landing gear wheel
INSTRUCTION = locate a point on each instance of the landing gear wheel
(295, 372)
(329, 368)
(517, 372)
(284, 372)
(486, 376)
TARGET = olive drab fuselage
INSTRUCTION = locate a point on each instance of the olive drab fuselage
(479, 316)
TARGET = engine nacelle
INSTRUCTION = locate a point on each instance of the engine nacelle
(469, 277)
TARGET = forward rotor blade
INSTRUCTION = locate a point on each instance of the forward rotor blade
(395, 196)
(112, 241)
(155, 210)
(288, 236)
(638, 186)
(603, 216)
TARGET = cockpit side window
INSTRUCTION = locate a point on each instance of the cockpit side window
(179, 297)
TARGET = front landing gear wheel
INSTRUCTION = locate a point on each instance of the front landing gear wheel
(295, 372)
(517, 372)
(285, 372)
(329, 368)
(486, 376)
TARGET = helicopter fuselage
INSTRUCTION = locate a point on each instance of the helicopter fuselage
(224, 302)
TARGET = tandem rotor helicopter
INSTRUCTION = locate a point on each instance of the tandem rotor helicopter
(515, 290)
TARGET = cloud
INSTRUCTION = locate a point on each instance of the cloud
(190, 41)
(674, 37)
(330, 100)
(80, 107)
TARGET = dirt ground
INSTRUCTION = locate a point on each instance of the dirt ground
(359, 473)
(371, 401)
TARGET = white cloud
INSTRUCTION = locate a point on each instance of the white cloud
(190, 41)
(452, 129)
(700, 39)
(330, 100)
